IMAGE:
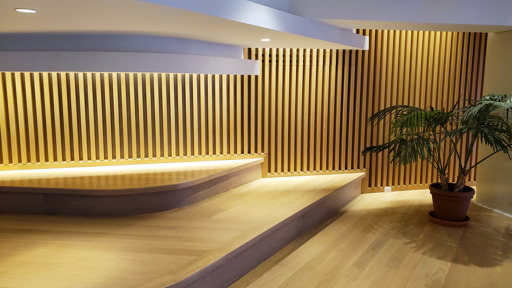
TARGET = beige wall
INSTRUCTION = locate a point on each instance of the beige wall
(494, 178)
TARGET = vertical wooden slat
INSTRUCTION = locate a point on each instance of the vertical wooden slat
(344, 112)
(286, 113)
(365, 132)
(202, 105)
(133, 119)
(74, 117)
(223, 116)
(396, 98)
(13, 117)
(272, 136)
(210, 115)
(66, 147)
(4, 116)
(165, 114)
(39, 116)
(377, 138)
(30, 118)
(48, 118)
(157, 106)
(108, 111)
(312, 111)
(180, 108)
(243, 100)
(21, 129)
(99, 112)
(195, 115)
(115, 115)
(231, 120)
(91, 119)
(279, 149)
(370, 136)
(124, 111)
(148, 109)
(292, 68)
(307, 97)
(324, 112)
(188, 116)
(217, 135)
(172, 115)
(300, 118)
(262, 103)
(254, 108)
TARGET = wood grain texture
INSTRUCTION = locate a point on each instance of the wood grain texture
(306, 110)
(386, 240)
(153, 250)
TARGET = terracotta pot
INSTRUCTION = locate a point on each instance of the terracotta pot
(451, 206)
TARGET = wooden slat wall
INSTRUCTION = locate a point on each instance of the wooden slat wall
(306, 110)
(73, 117)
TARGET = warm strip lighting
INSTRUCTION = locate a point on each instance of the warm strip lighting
(25, 10)
(265, 40)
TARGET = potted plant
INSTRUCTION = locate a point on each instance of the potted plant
(435, 135)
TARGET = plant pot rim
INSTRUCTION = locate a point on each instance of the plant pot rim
(436, 187)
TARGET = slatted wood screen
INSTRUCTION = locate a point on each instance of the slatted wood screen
(306, 110)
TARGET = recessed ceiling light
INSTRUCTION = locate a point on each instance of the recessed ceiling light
(265, 40)
(25, 10)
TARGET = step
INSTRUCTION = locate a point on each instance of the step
(121, 190)
(276, 211)
(210, 243)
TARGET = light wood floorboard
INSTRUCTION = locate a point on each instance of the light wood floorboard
(152, 250)
(386, 240)
(117, 179)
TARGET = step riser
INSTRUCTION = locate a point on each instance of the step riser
(124, 205)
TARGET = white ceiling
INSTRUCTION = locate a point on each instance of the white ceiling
(141, 18)
(224, 24)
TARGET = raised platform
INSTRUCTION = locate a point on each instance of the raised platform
(121, 190)
(207, 244)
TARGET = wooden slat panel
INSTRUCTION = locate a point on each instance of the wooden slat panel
(306, 110)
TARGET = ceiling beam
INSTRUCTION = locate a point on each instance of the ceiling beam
(262, 16)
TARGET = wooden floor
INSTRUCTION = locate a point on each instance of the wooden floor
(386, 240)
(152, 250)
(122, 178)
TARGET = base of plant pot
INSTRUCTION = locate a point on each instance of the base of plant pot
(448, 223)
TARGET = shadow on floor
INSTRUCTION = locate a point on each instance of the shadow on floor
(486, 242)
